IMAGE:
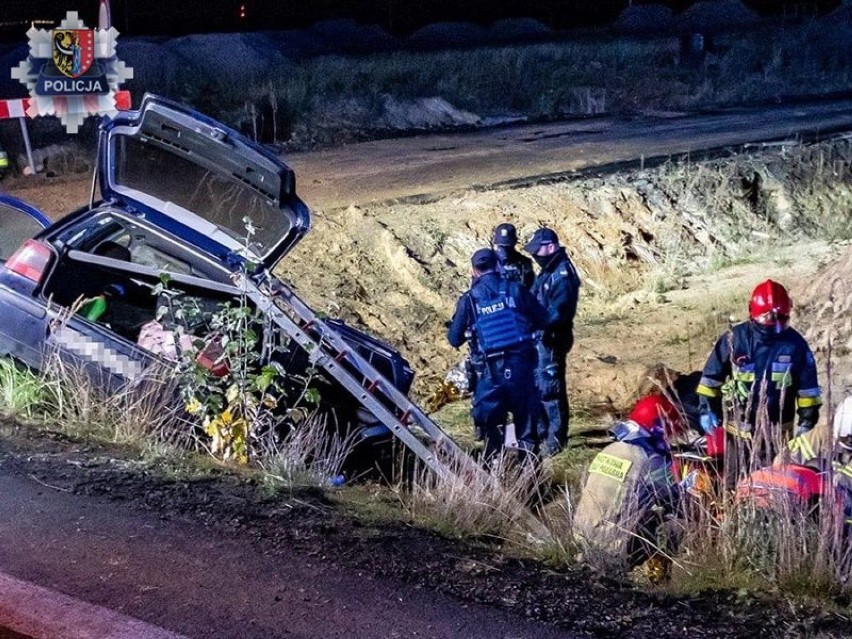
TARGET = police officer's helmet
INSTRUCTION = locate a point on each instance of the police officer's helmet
(505, 235)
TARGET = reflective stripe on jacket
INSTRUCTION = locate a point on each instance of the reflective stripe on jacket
(625, 480)
(747, 356)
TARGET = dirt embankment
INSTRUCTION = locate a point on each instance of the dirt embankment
(666, 256)
(826, 304)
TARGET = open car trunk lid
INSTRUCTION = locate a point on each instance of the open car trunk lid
(203, 182)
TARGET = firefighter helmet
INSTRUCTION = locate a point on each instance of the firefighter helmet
(654, 412)
(769, 303)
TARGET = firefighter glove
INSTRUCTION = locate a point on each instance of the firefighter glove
(802, 428)
(808, 417)
(709, 422)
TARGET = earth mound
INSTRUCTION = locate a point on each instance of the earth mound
(825, 319)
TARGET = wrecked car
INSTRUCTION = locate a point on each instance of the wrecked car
(176, 190)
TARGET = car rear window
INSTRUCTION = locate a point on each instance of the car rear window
(223, 200)
(16, 228)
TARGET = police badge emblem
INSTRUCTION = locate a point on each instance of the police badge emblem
(72, 72)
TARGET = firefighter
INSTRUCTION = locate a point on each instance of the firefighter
(557, 288)
(630, 488)
(498, 318)
(511, 264)
(811, 449)
(766, 373)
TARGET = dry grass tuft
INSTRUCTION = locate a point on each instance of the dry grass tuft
(309, 455)
(472, 503)
(138, 411)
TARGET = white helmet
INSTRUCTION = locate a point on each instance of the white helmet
(843, 423)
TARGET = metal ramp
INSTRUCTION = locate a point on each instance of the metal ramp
(327, 350)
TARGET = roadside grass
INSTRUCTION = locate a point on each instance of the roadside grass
(472, 503)
(22, 394)
(752, 549)
(141, 411)
(797, 555)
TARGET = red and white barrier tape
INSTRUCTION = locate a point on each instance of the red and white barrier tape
(18, 108)
(13, 108)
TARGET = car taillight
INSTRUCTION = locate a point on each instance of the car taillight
(30, 260)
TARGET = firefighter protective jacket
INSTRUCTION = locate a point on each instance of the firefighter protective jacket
(814, 450)
(751, 365)
(629, 485)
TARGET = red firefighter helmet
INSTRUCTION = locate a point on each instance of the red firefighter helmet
(656, 411)
(769, 303)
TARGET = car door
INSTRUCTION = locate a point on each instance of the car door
(203, 183)
(22, 316)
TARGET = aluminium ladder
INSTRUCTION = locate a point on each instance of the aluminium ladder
(327, 350)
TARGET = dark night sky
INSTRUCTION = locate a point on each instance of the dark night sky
(172, 17)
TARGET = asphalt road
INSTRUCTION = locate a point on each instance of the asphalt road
(183, 579)
(429, 166)
(426, 167)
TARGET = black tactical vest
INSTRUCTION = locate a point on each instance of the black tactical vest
(498, 324)
(511, 272)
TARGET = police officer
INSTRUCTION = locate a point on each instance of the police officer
(761, 365)
(511, 264)
(557, 288)
(498, 317)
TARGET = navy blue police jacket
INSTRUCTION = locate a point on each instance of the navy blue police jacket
(489, 286)
(557, 288)
(742, 359)
(518, 267)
